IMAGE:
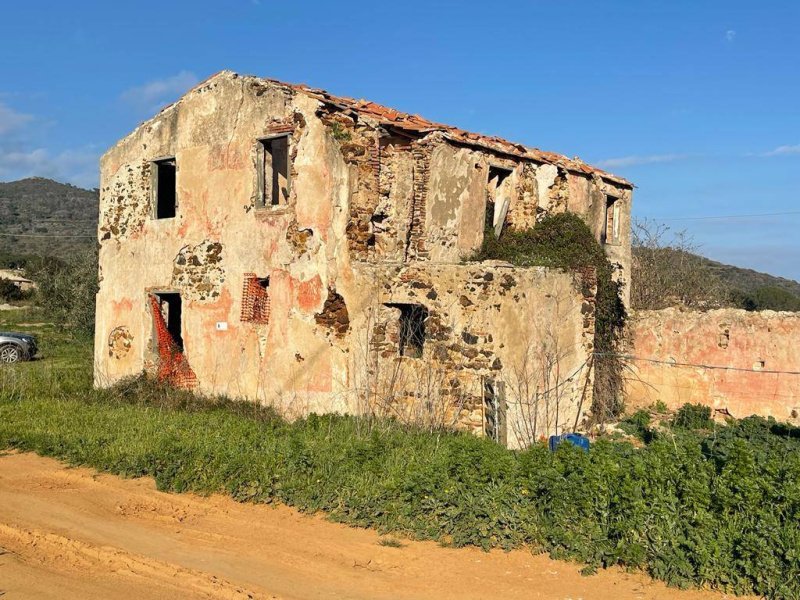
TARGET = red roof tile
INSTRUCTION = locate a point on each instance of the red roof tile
(387, 116)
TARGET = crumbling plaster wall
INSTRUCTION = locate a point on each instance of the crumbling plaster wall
(487, 321)
(426, 198)
(457, 196)
(753, 345)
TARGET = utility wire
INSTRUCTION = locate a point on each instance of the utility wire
(727, 393)
(700, 366)
(721, 217)
(43, 235)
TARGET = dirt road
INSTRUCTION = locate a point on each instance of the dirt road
(73, 533)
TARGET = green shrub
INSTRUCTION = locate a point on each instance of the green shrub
(67, 290)
(768, 297)
(717, 509)
(660, 407)
(10, 292)
(637, 424)
(693, 416)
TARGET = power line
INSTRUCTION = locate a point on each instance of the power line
(719, 217)
(699, 366)
(42, 235)
(726, 394)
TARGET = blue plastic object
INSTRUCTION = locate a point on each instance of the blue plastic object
(576, 439)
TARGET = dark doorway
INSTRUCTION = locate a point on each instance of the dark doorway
(171, 310)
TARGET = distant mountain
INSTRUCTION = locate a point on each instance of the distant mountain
(43, 217)
(748, 280)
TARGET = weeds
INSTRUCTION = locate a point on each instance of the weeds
(693, 416)
(705, 507)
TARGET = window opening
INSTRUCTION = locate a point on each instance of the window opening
(274, 174)
(412, 329)
(497, 199)
(165, 183)
(494, 410)
(611, 226)
(255, 299)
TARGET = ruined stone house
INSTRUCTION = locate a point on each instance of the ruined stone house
(276, 243)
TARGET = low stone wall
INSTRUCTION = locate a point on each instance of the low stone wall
(747, 363)
(507, 350)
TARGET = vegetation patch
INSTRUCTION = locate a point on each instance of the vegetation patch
(693, 416)
(768, 297)
(10, 292)
(706, 507)
(565, 241)
(67, 290)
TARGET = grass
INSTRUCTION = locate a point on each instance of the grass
(714, 507)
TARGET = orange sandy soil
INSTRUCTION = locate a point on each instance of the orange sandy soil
(73, 533)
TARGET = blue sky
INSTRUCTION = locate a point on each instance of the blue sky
(696, 102)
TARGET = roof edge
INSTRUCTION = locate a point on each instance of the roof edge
(415, 124)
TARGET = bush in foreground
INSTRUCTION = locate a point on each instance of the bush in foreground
(690, 508)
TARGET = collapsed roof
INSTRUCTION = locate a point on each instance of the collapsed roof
(417, 125)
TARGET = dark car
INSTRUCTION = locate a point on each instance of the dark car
(15, 347)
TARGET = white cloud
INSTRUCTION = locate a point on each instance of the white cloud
(154, 94)
(730, 35)
(783, 151)
(11, 119)
(78, 166)
(634, 160)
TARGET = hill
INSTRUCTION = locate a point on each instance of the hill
(748, 280)
(43, 217)
(667, 276)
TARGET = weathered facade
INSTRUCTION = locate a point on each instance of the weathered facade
(738, 362)
(276, 243)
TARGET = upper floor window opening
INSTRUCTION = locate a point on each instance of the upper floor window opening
(164, 184)
(497, 199)
(611, 225)
(273, 175)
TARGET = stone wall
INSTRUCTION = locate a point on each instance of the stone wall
(746, 355)
(527, 333)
